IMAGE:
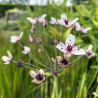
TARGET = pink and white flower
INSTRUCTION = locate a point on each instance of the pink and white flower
(69, 47)
(66, 22)
(54, 21)
(26, 50)
(37, 19)
(14, 39)
(78, 27)
(38, 76)
(89, 51)
(7, 59)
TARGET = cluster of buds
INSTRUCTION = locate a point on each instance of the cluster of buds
(68, 48)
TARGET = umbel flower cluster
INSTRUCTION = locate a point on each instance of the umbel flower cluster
(57, 64)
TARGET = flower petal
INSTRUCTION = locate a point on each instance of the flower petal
(53, 20)
(85, 30)
(68, 54)
(5, 59)
(7, 63)
(70, 40)
(79, 52)
(33, 21)
(73, 21)
(26, 50)
(32, 73)
(63, 16)
(41, 19)
(41, 71)
(61, 47)
(20, 36)
(58, 58)
(14, 39)
(61, 22)
(36, 81)
(90, 47)
(69, 3)
(77, 26)
(93, 53)
(9, 54)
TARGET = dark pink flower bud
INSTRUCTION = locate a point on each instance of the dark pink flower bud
(33, 29)
(45, 23)
(31, 39)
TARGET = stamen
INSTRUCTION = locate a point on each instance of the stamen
(66, 22)
(69, 48)
(39, 77)
(64, 61)
(88, 53)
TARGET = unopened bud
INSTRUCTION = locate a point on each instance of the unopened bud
(33, 29)
(52, 59)
(20, 63)
(39, 50)
(53, 42)
(45, 23)
(38, 41)
(31, 39)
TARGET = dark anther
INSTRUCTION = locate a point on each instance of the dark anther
(39, 77)
(69, 48)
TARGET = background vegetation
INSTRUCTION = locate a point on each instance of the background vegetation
(80, 80)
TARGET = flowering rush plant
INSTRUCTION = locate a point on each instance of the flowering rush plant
(49, 66)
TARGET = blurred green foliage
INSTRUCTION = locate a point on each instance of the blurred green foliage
(6, 6)
(80, 80)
